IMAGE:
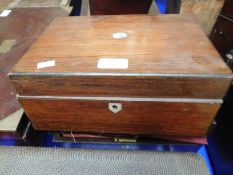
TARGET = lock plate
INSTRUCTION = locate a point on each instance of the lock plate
(115, 107)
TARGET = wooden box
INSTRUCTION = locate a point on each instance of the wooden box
(136, 74)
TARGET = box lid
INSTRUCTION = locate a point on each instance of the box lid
(124, 44)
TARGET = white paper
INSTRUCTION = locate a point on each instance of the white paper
(46, 64)
(5, 13)
(119, 35)
(112, 63)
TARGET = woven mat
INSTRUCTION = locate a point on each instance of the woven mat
(54, 161)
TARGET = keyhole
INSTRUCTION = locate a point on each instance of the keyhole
(114, 107)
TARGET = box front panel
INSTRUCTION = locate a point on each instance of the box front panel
(134, 116)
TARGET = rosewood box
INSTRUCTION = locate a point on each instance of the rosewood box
(136, 74)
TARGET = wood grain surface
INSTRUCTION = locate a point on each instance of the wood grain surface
(155, 44)
(77, 43)
(122, 86)
(154, 118)
(117, 7)
(24, 26)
